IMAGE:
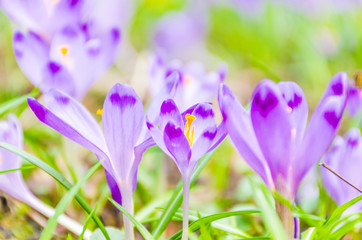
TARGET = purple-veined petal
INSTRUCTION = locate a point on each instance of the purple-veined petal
(323, 126)
(166, 92)
(297, 109)
(169, 112)
(202, 145)
(354, 104)
(71, 119)
(56, 76)
(221, 134)
(123, 118)
(31, 54)
(113, 186)
(238, 124)
(205, 118)
(178, 146)
(272, 127)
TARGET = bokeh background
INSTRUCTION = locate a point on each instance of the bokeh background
(302, 41)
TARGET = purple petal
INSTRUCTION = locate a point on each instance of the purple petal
(56, 76)
(202, 145)
(272, 127)
(238, 124)
(297, 109)
(205, 119)
(169, 112)
(323, 126)
(71, 119)
(31, 54)
(122, 124)
(178, 146)
(116, 193)
(354, 103)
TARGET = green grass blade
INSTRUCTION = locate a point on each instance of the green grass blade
(145, 233)
(6, 106)
(58, 177)
(87, 221)
(176, 199)
(47, 232)
(269, 215)
(194, 226)
(17, 169)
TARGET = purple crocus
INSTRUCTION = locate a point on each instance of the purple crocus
(72, 62)
(345, 158)
(13, 183)
(274, 138)
(186, 138)
(44, 17)
(119, 147)
(195, 84)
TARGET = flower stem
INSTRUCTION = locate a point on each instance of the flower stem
(127, 203)
(185, 207)
(63, 220)
(286, 217)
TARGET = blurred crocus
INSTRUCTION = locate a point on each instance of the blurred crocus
(274, 138)
(13, 183)
(72, 62)
(44, 17)
(195, 83)
(119, 147)
(354, 104)
(345, 158)
(186, 138)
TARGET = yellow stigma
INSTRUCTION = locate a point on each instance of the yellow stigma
(64, 50)
(100, 112)
(189, 133)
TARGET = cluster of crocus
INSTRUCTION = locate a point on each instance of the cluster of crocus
(195, 85)
(274, 138)
(344, 158)
(13, 183)
(64, 49)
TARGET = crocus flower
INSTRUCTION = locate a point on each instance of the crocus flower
(44, 17)
(13, 183)
(121, 144)
(345, 158)
(72, 62)
(186, 138)
(195, 84)
(274, 139)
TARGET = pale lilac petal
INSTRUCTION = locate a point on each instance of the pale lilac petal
(272, 127)
(221, 134)
(56, 76)
(238, 124)
(297, 109)
(205, 119)
(167, 91)
(169, 112)
(31, 54)
(71, 119)
(202, 145)
(178, 146)
(323, 126)
(354, 104)
(123, 118)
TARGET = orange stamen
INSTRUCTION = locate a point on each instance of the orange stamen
(100, 112)
(189, 133)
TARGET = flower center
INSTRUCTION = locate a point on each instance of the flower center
(187, 80)
(64, 54)
(189, 132)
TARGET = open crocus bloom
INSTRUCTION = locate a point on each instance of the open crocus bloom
(186, 138)
(195, 84)
(345, 158)
(13, 183)
(72, 62)
(274, 139)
